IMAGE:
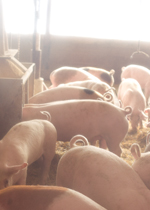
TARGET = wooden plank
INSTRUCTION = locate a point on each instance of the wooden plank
(10, 104)
(20, 65)
(14, 93)
(9, 53)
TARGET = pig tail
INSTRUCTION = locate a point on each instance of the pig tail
(47, 114)
(128, 110)
(78, 138)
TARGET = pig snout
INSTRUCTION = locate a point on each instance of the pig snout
(6, 177)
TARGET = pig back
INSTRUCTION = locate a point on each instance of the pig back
(140, 73)
(45, 198)
(69, 74)
(87, 170)
(90, 118)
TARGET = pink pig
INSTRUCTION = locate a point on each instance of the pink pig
(69, 74)
(142, 163)
(66, 93)
(141, 74)
(45, 198)
(130, 94)
(147, 148)
(25, 143)
(95, 119)
(147, 111)
(103, 177)
(99, 86)
(102, 74)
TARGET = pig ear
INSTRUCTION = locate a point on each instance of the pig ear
(16, 168)
(123, 68)
(136, 150)
(148, 139)
(142, 115)
(112, 71)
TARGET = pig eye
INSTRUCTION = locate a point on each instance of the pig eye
(5, 183)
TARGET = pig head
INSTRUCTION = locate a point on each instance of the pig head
(141, 163)
(25, 143)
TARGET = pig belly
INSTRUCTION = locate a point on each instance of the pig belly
(87, 117)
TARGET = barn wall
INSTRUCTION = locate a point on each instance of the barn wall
(60, 51)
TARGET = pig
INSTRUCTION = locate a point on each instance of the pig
(45, 198)
(66, 93)
(141, 74)
(25, 143)
(147, 148)
(95, 119)
(141, 163)
(102, 74)
(103, 177)
(147, 111)
(99, 86)
(130, 94)
(67, 74)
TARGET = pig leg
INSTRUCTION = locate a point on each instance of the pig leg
(114, 147)
(47, 159)
(23, 176)
(93, 141)
(141, 123)
(45, 170)
(102, 144)
(146, 93)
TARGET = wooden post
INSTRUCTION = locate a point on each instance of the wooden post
(2, 35)
(36, 51)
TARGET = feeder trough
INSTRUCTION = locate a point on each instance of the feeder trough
(16, 86)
